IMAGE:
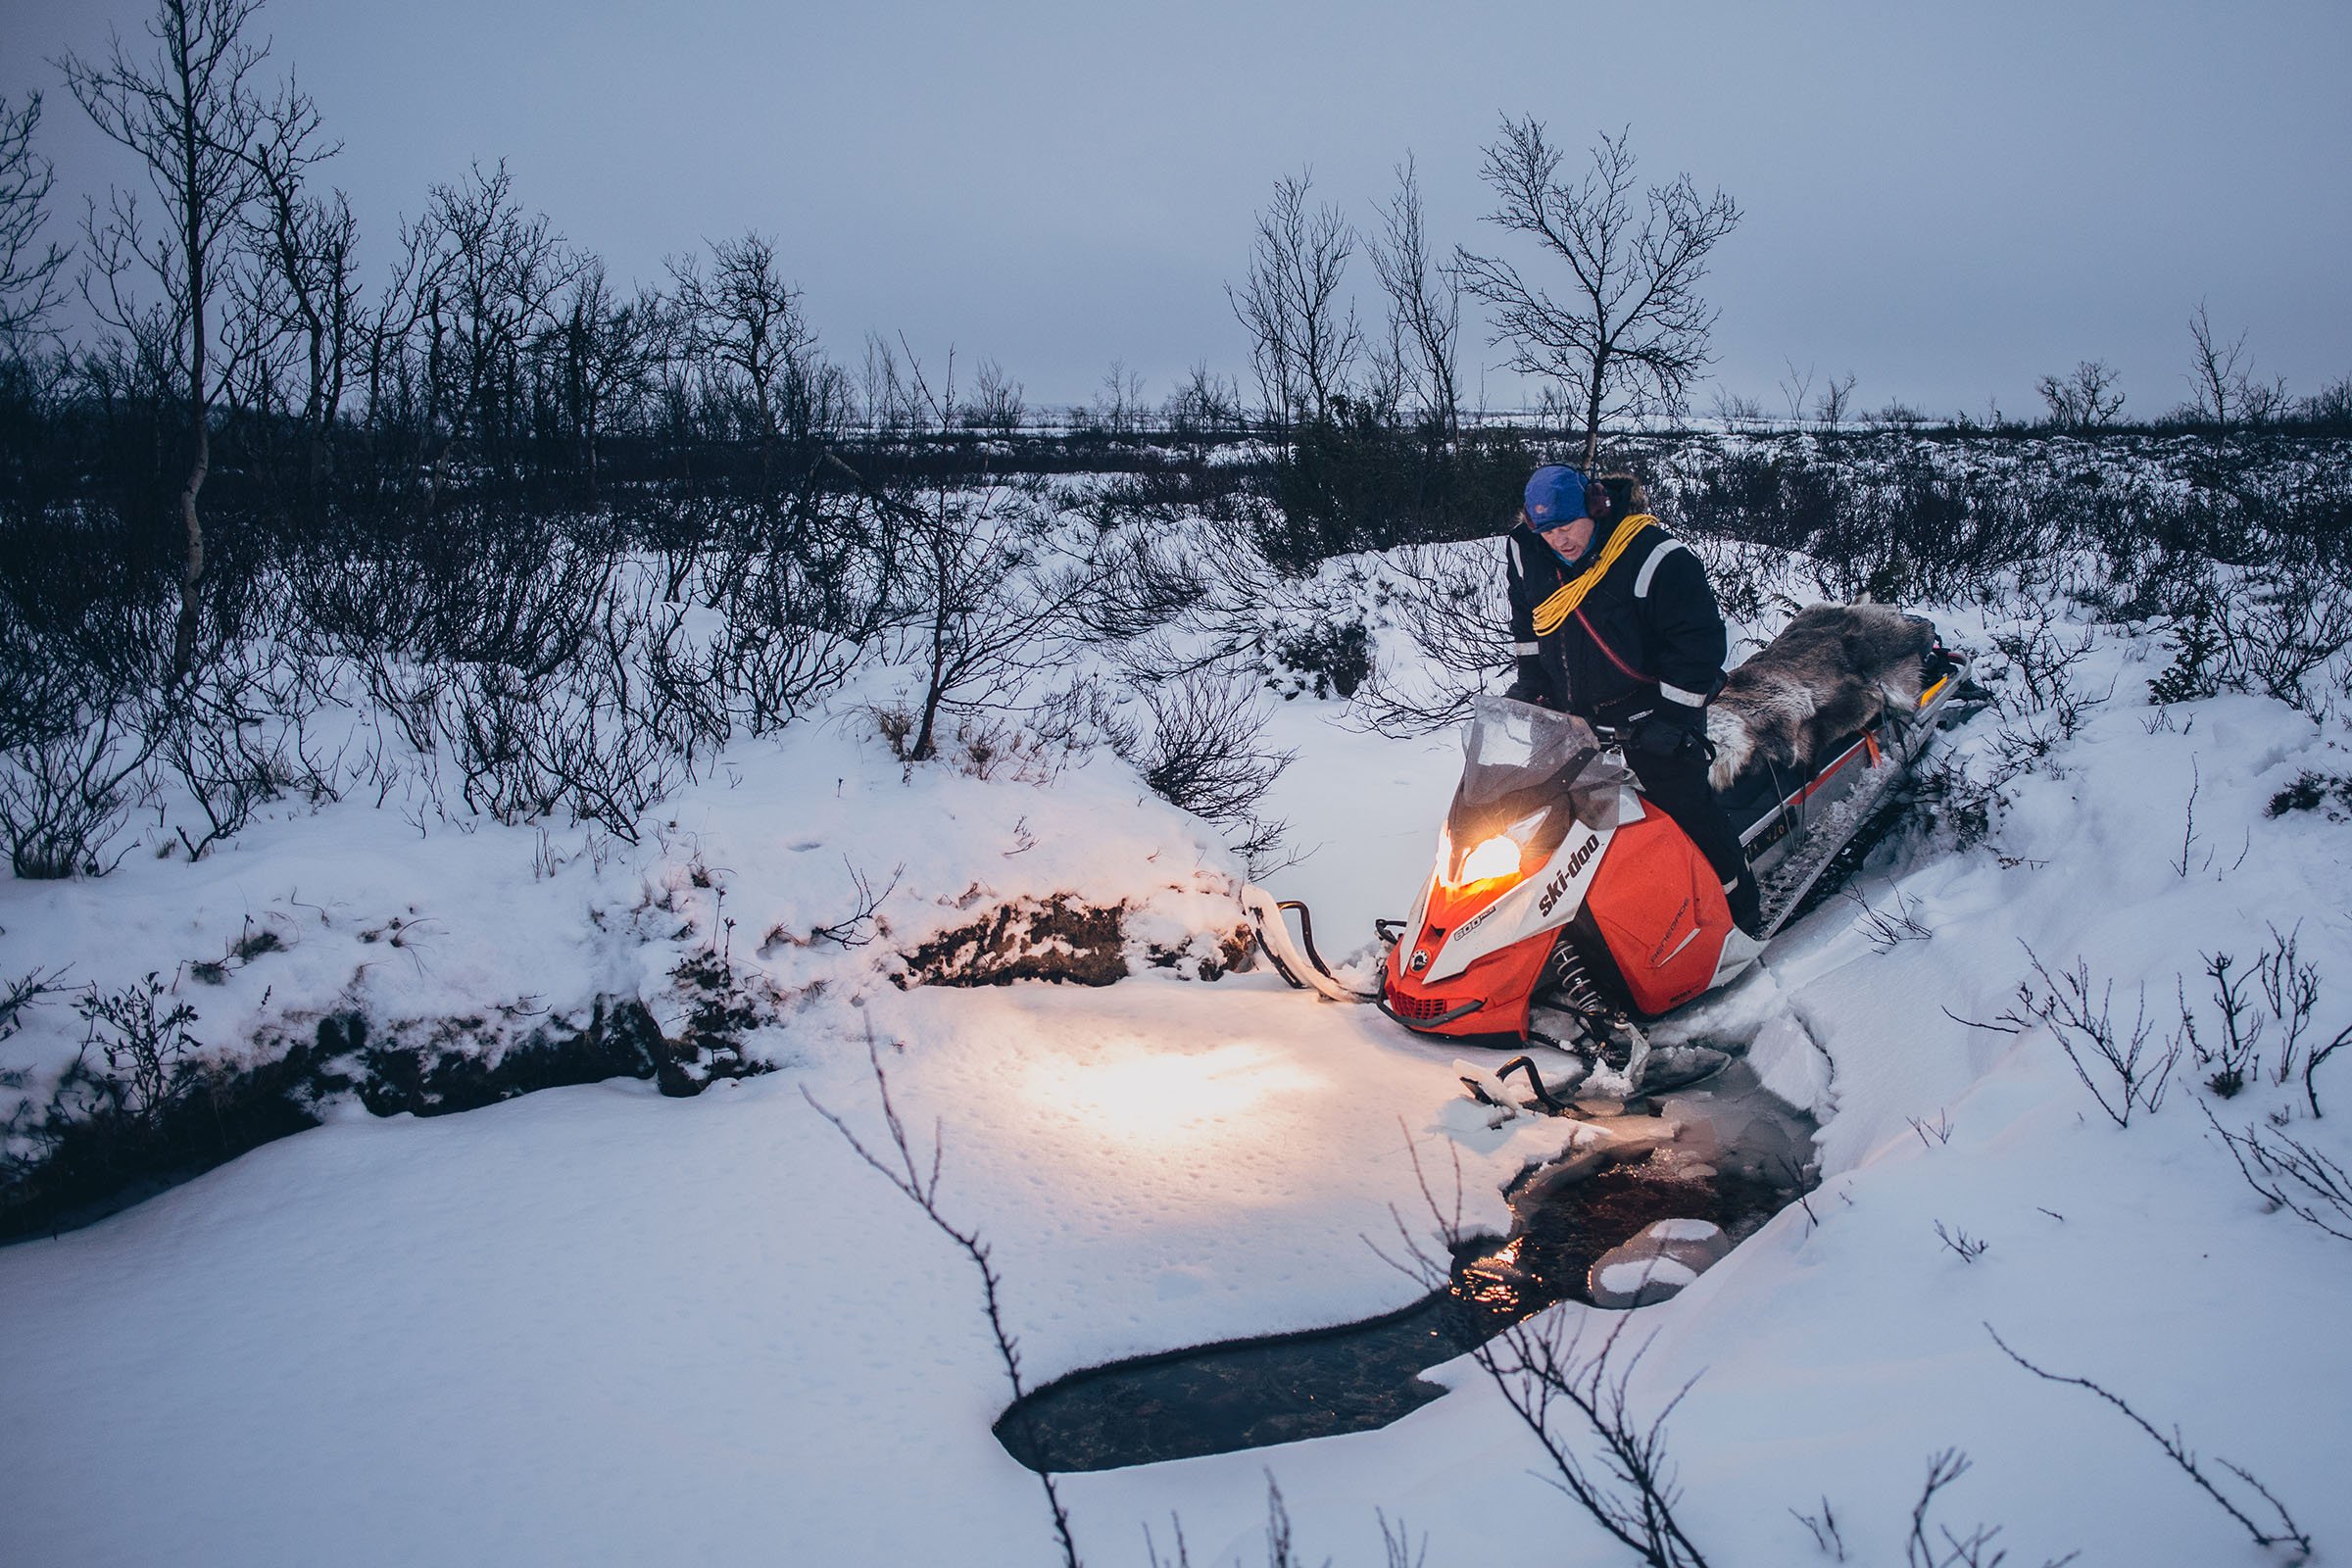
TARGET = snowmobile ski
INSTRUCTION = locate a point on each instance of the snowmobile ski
(1295, 960)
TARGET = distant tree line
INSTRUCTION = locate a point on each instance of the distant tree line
(239, 359)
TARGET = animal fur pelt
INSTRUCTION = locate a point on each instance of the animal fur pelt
(1831, 671)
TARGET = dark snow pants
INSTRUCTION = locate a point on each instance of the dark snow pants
(1678, 786)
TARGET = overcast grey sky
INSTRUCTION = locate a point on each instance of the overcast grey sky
(1945, 199)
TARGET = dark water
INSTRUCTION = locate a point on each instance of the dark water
(1740, 1158)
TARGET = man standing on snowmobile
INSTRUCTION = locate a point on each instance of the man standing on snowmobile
(1613, 620)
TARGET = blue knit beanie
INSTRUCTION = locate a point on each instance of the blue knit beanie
(1554, 495)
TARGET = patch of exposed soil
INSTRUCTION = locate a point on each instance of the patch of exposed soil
(1056, 939)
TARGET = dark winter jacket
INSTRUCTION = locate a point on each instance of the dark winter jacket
(1646, 626)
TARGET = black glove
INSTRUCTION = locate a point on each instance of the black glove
(1528, 684)
(1671, 729)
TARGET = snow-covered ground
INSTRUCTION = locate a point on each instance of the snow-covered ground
(595, 1325)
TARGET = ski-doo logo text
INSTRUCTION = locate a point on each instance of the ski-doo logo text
(1551, 894)
(1583, 853)
(1577, 861)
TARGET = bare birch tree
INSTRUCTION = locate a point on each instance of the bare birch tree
(1305, 339)
(2221, 377)
(2217, 372)
(747, 318)
(2085, 400)
(29, 268)
(189, 112)
(1425, 303)
(605, 351)
(304, 281)
(1630, 336)
(495, 271)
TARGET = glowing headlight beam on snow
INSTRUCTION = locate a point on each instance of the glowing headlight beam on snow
(1133, 1092)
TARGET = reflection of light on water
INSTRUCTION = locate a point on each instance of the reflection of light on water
(1493, 1280)
(1133, 1092)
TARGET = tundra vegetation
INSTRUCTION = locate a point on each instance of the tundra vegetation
(492, 536)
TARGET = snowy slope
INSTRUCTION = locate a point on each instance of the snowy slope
(594, 1325)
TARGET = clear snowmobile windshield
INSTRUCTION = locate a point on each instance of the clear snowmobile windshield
(1527, 773)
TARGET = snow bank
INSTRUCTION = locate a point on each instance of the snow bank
(595, 1325)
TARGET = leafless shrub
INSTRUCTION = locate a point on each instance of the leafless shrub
(2274, 999)
(2189, 826)
(2221, 378)
(2276, 630)
(2313, 1062)
(1950, 1550)
(64, 788)
(1205, 751)
(1203, 404)
(1180, 603)
(861, 924)
(25, 990)
(917, 1179)
(2268, 627)
(1556, 1384)
(1750, 578)
(2077, 1012)
(2281, 1532)
(1280, 1554)
(1837, 403)
(1147, 582)
(1074, 720)
(1957, 802)
(1890, 927)
(1823, 1528)
(601, 735)
(1450, 604)
(1735, 409)
(2290, 989)
(232, 734)
(2292, 1175)
(150, 1055)
(1117, 410)
(1968, 1247)
(1399, 1549)
(995, 403)
(2041, 660)
(986, 596)
(803, 595)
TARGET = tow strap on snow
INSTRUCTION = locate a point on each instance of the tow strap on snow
(1563, 602)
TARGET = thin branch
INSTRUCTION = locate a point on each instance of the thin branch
(918, 1181)
(2283, 1533)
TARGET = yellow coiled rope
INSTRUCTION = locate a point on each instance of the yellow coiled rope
(1562, 604)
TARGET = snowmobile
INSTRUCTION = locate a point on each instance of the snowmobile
(1565, 915)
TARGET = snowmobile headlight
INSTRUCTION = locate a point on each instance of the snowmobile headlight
(1496, 857)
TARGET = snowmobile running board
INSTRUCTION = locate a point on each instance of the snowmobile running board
(1297, 961)
(1781, 892)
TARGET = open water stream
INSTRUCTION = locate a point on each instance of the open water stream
(1725, 1155)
